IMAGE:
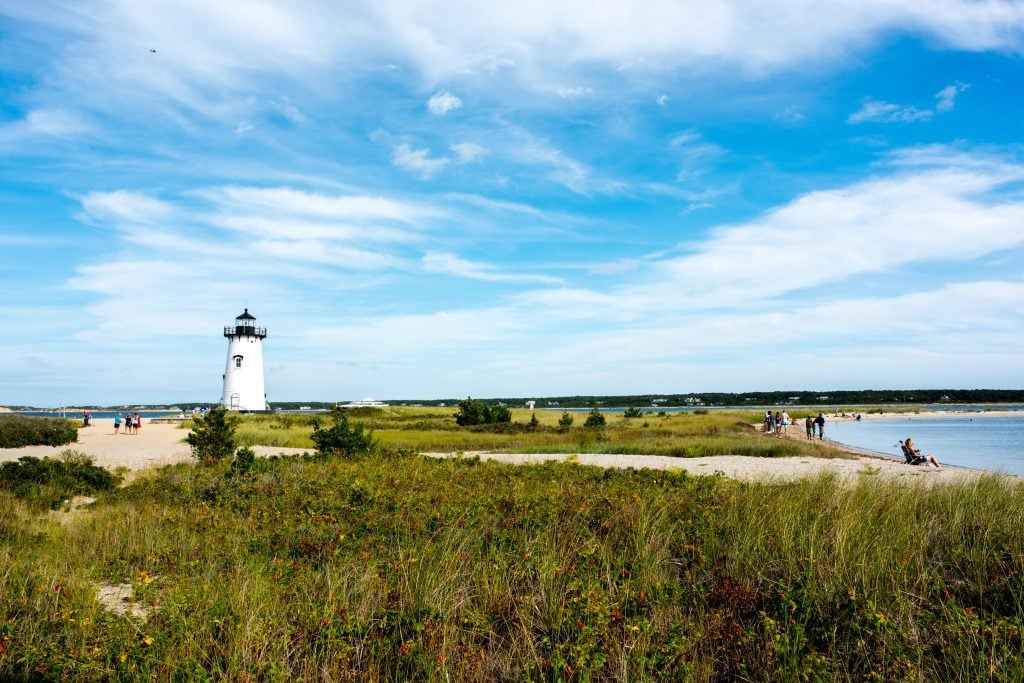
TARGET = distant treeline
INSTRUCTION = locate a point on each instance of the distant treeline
(750, 398)
(816, 398)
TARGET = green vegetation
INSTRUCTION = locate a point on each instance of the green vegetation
(400, 567)
(212, 438)
(22, 430)
(718, 432)
(595, 420)
(633, 412)
(48, 482)
(340, 438)
(473, 412)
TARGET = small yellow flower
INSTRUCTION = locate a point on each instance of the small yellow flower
(148, 640)
(123, 657)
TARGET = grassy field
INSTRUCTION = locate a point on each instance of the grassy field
(434, 430)
(395, 567)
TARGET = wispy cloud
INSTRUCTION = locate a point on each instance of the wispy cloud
(443, 102)
(468, 152)
(450, 264)
(886, 112)
(947, 96)
(418, 161)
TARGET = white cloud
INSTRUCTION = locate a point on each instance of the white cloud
(663, 100)
(418, 161)
(290, 111)
(886, 112)
(450, 264)
(443, 102)
(243, 128)
(947, 96)
(468, 152)
(566, 93)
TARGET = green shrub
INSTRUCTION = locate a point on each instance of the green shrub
(243, 462)
(632, 412)
(22, 430)
(474, 412)
(595, 419)
(565, 422)
(49, 481)
(534, 423)
(212, 437)
(341, 438)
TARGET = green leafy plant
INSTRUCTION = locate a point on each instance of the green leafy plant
(341, 438)
(212, 437)
(565, 422)
(23, 430)
(474, 412)
(49, 481)
(595, 419)
(632, 412)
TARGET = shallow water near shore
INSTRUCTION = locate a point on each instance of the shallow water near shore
(994, 443)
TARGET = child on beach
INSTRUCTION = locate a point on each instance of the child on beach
(117, 422)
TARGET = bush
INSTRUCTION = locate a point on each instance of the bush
(595, 419)
(565, 421)
(534, 423)
(340, 438)
(213, 437)
(474, 412)
(632, 412)
(243, 462)
(49, 481)
(22, 430)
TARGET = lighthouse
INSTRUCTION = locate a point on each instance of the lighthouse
(243, 375)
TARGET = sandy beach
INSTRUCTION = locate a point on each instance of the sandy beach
(162, 444)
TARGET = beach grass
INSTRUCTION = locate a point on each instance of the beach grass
(435, 430)
(394, 567)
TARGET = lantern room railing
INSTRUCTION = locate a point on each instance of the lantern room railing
(245, 331)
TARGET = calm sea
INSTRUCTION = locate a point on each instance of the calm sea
(980, 441)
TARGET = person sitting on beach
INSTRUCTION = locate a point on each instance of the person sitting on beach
(914, 457)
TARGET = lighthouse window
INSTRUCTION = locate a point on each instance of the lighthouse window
(238, 361)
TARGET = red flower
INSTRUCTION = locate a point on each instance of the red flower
(440, 658)
(404, 650)
(579, 625)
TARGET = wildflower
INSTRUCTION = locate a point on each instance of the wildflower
(440, 658)
(327, 622)
(148, 640)
(123, 657)
(57, 588)
(404, 650)
(579, 624)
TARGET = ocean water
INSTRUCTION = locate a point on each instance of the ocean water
(994, 443)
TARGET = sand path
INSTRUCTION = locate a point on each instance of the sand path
(161, 444)
(154, 445)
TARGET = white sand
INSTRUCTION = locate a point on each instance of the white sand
(161, 444)
(154, 445)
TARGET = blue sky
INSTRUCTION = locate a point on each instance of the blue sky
(426, 199)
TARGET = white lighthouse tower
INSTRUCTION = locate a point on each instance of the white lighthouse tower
(243, 375)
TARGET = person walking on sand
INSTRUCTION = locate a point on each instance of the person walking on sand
(785, 421)
(117, 422)
(127, 423)
(137, 422)
(809, 426)
(820, 421)
(914, 456)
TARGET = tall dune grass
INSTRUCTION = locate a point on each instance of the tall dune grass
(409, 568)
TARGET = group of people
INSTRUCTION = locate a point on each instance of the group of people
(777, 423)
(132, 423)
(815, 426)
